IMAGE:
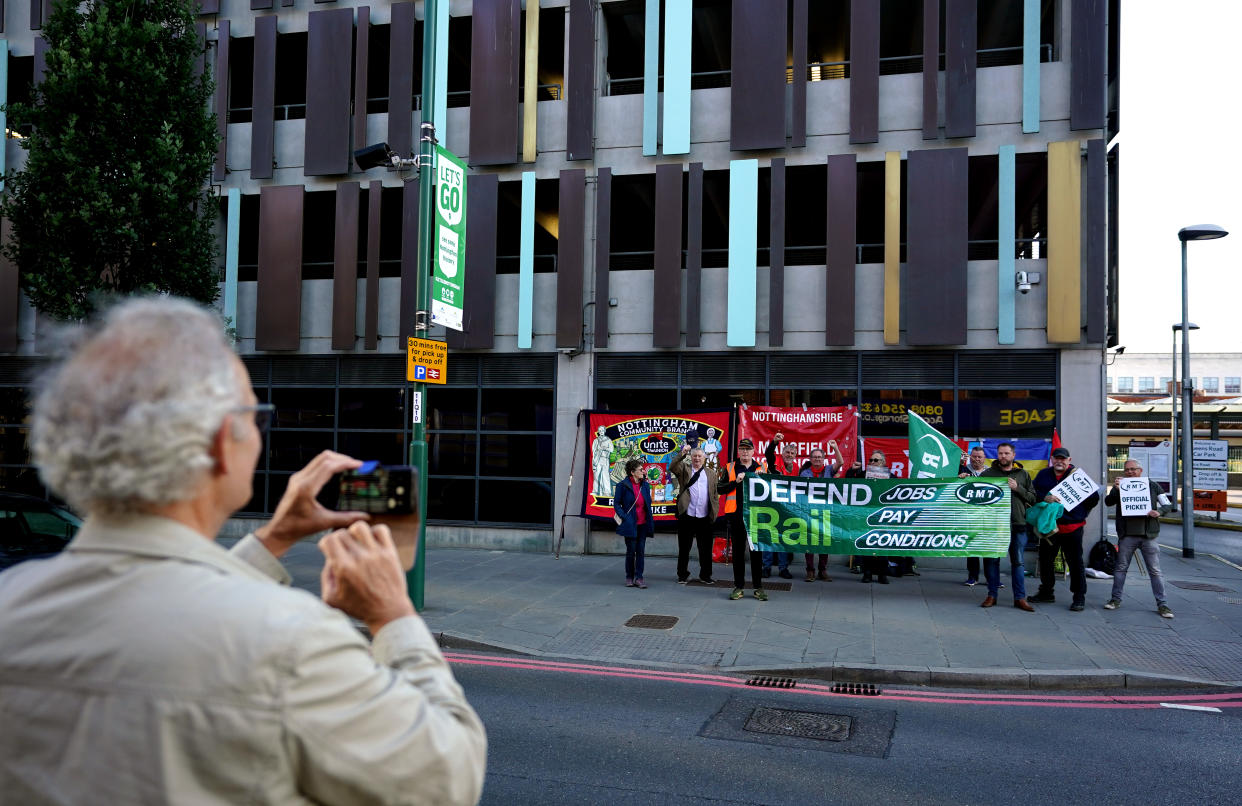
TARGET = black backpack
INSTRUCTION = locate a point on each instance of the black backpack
(1103, 556)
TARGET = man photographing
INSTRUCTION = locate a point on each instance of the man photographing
(147, 664)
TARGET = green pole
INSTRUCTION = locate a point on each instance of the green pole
(416, 578)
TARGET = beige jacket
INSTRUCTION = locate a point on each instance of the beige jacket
(146, 664)
(682, 469)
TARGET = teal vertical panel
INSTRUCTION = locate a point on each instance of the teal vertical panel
(651, 77)
(232, 235)
(1030, 66)
(743, 246)
(1005, 235)
(677, 20)
(439, 109)
(4, 99)
(526, 264)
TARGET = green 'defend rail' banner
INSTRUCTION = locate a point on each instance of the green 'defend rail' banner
(904, 517)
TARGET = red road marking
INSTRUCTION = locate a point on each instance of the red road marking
(1118, 702)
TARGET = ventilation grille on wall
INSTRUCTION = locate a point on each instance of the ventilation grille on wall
(379, 370)
(1007, 369)
(21, 370)
(635, 370)
(303, 371)
(732, 371)
(517, 370)
(907, 370)
(814, 371)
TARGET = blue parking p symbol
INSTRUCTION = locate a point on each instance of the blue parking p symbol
(420, 373)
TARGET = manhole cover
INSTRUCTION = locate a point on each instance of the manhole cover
(1200, 586)
(778, 586)
(652, 622)
(803, 724)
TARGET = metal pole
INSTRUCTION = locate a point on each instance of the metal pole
(1188, 495)
(416, 578)
(1173, 423)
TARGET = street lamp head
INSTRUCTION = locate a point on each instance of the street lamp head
(1201, 232)
(1190, 326)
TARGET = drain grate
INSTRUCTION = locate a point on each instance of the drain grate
(778, 586)
(652, 622)
(1228, 600)
(1199, 586)
(802, 724)
(765, 681)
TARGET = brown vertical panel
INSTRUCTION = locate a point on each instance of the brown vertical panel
(931, 69)
(960, 41)
(1094, 238)
(375, 190)
(36, 14)
(569, 258)
(479, 317)
(263, 99)
(256, 5)
(288, 3)
(864, 71)
(494, 131)
(200, 32)
(409, 259)
(345, 267)
(362, 55)
(40, 59)
(580, 113)
(220, 168)
(401, 79)
(797, 112)
(776, 256)
(329, 63)
(757, 97)
(842, 249)
(1087, 64)
(278, 303)
(208, 6)
(694, 254)
(603, 244)
(666, 305)
(10, 294)
(936, 236)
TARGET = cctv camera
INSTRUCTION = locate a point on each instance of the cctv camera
(373, 156)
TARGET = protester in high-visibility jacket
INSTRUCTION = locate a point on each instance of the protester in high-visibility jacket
(736, 475)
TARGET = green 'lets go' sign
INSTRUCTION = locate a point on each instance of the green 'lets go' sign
(906, 517)
(448, 278)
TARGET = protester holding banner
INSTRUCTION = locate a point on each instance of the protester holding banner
(974, 466)
(631, 502)
(1021, 496)
(1068, 537)
(784, 465)
(736, 474)
(877, 468)
(817, 468)
(1138, 532)
(698, 501)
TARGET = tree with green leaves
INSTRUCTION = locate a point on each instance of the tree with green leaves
(113, 197)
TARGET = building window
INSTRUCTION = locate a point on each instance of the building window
(1164, 383)
(1125, 386)
(1147, 384)
(1211, 385)
(491, 442)
(1233, 385)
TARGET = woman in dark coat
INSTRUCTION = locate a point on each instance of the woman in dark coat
(631, 503)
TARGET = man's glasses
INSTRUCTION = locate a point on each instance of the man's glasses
(876, 462)
(263, 413)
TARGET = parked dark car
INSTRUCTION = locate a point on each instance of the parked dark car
(31, 528)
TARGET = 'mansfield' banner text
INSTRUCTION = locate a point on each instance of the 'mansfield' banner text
(927, 517)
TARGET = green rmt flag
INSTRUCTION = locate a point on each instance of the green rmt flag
(932, 454)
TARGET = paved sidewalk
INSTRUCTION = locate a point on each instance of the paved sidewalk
(927, 629)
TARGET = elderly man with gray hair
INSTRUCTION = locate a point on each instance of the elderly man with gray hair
(146, 664)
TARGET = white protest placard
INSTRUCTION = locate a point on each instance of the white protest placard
(1135, 494)
(1074, 488)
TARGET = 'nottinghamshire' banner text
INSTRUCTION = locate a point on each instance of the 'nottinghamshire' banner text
(916, 517)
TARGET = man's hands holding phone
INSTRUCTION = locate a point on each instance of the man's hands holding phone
(362, 575)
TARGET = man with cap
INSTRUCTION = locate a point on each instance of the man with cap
(1068, 537)
(731, 489)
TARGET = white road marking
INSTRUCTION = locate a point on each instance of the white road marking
(1181, 707)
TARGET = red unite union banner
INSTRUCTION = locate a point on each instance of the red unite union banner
(655, 439)
(807, 428)
(897, 451)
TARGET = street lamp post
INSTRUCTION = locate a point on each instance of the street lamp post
(1199, 232)
(1173, 416)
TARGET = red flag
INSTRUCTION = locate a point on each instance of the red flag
(1056, 439)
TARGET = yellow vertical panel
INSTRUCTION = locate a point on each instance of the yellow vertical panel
(530, 89)
(892, 247)
(1064, 242)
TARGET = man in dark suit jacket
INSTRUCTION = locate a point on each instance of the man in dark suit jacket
(697, 506)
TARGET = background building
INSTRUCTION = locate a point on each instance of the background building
(690, 204)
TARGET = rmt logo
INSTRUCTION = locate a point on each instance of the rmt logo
(979, 492)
